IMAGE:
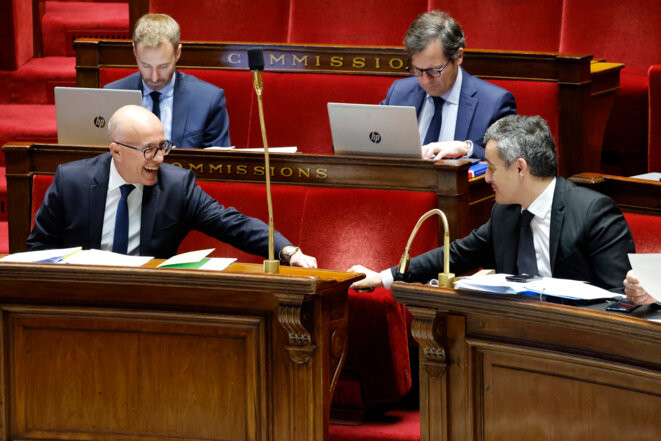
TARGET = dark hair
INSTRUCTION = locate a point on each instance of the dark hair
(435, 25)
(527, 137)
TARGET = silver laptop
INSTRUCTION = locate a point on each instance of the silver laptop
(366, 129)
(83, 114)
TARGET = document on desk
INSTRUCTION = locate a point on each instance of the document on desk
(41, 256)
(197, 260)
(646, 267)
(565, 288)
(78, 256)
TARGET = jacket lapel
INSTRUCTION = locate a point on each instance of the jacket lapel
(557, 219)
(150, 196)
(97, 204)
(180, 105)
(467, 105)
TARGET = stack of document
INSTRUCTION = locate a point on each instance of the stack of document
(198, 260)
(543, 286)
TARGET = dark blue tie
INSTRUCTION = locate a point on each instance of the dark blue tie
(526, 260)
(156, 105)
(120, 241)
(435, 125)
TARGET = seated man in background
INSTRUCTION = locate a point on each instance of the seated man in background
(192, 111)
(541, 224)
(454, 108)
(129, 201)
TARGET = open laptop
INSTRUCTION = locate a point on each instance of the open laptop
(366, 129)
(83, 113)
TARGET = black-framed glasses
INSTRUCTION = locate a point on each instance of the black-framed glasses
(432, 72)
(149, 152)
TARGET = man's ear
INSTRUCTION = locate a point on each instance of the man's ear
(459, 57)
(115, 151)
(522, 166)
(177, 53)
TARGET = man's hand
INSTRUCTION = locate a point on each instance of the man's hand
(371, 281)
(302, 260)
(635, 292)
(445, 149)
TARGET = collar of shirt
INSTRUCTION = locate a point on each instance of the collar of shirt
(541, 207)
(541, 229)
(115, 180)
(166, 92)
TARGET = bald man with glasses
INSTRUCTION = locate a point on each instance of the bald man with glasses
(454, 108)
(128, 201)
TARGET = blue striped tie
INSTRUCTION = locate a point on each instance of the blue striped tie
(120, 241)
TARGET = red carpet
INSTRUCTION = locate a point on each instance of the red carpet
(394, 425)
(33, 82)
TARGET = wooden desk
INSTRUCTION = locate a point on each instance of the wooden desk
(97, 353)
(466, 203)
(499, 369)
(642, 196)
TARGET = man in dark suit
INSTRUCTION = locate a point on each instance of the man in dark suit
(192, 111)
(454, 108)
(162, 202)
(573, 232)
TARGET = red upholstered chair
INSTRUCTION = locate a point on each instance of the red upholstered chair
(646, 231)
(625, 32)
(507, 24)
(367, 22)
(295, 107)
(654, 149)
(228, 20)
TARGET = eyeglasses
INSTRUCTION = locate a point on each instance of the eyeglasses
(431, 72)
(164, 147)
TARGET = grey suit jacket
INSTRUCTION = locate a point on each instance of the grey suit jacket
(589, 240)
(199, 115)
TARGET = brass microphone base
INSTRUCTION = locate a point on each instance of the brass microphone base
(446, 280)
(272, 266)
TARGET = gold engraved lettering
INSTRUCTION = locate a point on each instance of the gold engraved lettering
(287, 172)
(322, 173)
(359, 62)
(178, 164)
(229, 168)
(198, 167)
(303, 60)
(378, 63)
(234, 58)
(396, 63)
(272, 171)
(241, 169)
(259, 170)
(337, 61)
(304, 172)
(215, 168)
(318, 62)
(273, 59)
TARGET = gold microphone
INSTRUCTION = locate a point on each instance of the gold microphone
(446, 278)
(256, 63)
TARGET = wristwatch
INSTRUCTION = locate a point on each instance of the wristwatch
(286, 252)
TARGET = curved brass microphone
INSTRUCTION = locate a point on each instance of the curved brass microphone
(256, 63)
(446, 278)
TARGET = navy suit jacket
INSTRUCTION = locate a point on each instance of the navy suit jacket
(199, 115)
(480, 105)
(74, 205)
(589, 240)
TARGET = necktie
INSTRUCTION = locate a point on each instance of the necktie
(120, 241)
(435, 125)
(526, 261)
(156, 105)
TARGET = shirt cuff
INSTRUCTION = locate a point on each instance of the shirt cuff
(387, 278)
(469, 153)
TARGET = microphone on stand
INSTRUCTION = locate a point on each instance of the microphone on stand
(446, 278)
(256, 64)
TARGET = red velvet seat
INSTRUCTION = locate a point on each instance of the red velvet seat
(646, 231)
(26, 122)
(654, 149)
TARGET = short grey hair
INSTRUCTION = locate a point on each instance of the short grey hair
(527, 137)
(435, 25)
(153, 29)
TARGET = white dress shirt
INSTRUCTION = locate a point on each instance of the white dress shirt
(166, 103)
(135, 212)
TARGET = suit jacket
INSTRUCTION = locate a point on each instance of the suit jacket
(589, 240)
(480, 105)
(199, 116)
(74, 205)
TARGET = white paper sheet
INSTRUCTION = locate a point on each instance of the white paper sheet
(189, 257)
(647, 268)
(105, 258)
(50, 256)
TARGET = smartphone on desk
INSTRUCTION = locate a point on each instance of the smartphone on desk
(522, 278)
(622, 306)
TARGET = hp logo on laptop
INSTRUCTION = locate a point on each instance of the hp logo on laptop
(100, 122)
(375, 137)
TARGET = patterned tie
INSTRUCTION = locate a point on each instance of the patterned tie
(526, 261)
(156, 105)
(120, 241)
(435, 125)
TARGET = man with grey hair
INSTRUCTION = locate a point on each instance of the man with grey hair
(541, 224)
(192, 111)
(454, 108)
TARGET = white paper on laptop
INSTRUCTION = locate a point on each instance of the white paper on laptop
(646, 267)
(368, 129)
(83, 113)
(565, 288)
